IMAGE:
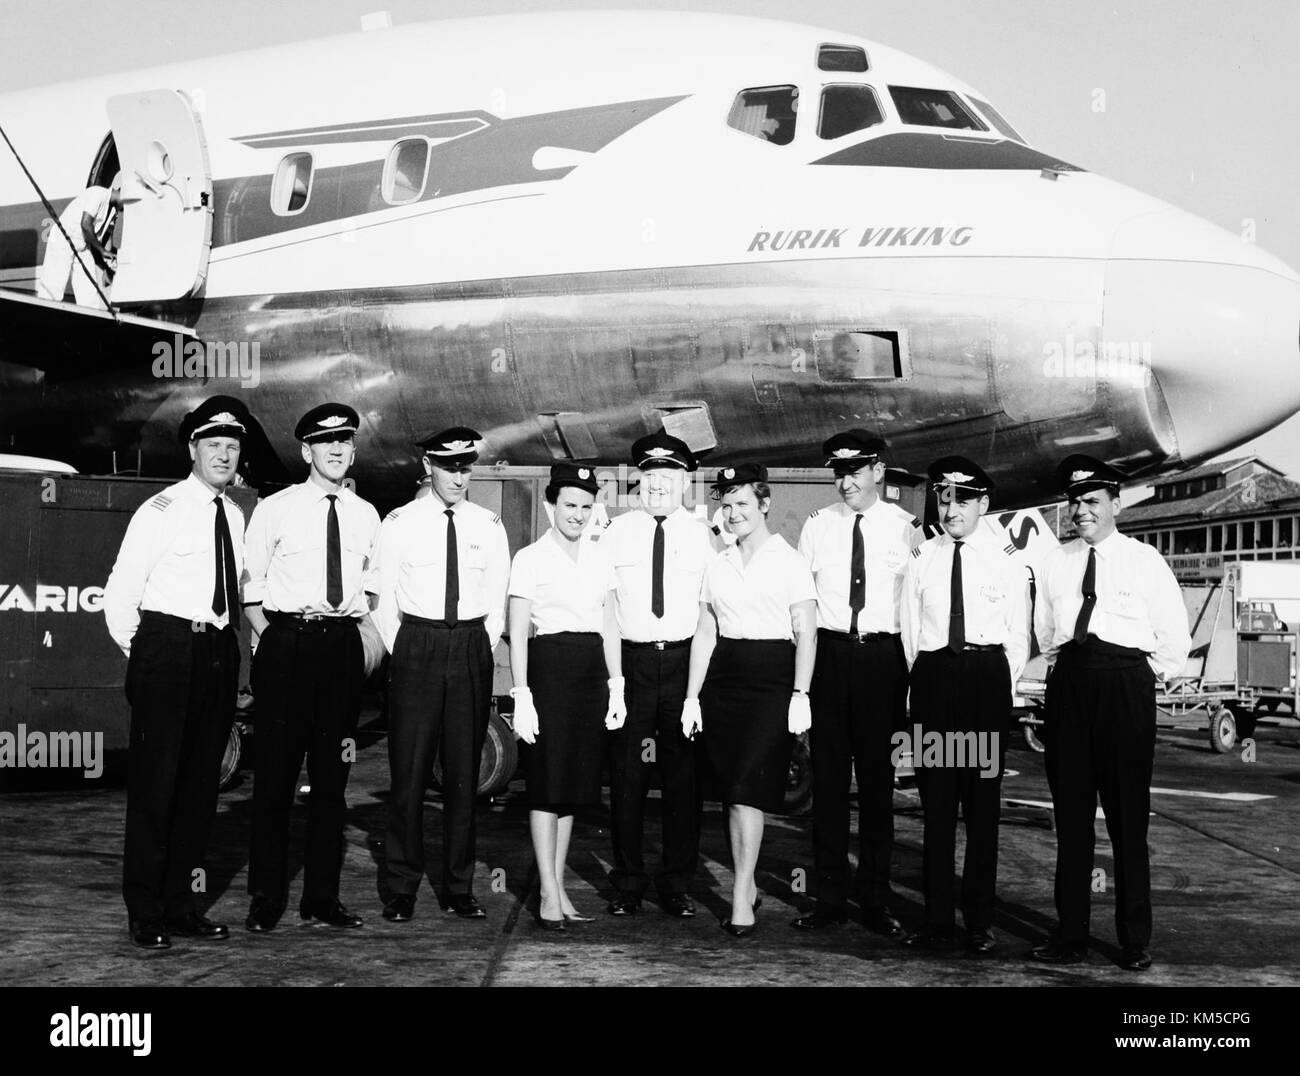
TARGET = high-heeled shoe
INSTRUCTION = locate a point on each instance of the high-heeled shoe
(742, 931)
(548, 924)
(575, 917)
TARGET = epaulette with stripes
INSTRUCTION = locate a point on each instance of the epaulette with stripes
(396, 511)
(916, 550)
(813, 513)
(916, 522)
(1009, 549)
(496, 519)
(162, 501)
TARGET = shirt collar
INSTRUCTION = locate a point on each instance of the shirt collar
(195, 487)
(1108, 545)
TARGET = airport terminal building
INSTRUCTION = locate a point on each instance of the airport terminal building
(1235, 510)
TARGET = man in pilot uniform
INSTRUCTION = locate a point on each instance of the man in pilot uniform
(172, 605)
(660, 553)
(858, 551)
(306, 555)
(965, 620)
(1110, 613)
(442, 566)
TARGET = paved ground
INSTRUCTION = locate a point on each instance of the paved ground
(1226, 877)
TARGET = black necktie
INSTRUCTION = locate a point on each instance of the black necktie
(1089, 597)
(451, 603)
(857, 575)
(333, 556)
(657, 570)
(224, 596)
(956, 605)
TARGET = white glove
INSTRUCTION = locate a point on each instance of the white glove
(617, 712)
(692, 719)
(799, 716)
(525, 719)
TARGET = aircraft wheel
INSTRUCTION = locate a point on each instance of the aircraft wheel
(230, 759)
(798, 788)
(1223, 730)
(497, 763)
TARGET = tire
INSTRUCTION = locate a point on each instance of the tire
(1032, 740)
(498, 762)
(799, 784)
(230, 759)
(1223, 730)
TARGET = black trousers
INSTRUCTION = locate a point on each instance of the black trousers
(181, 686)
(307, 679)
(859, 698)
(652, 735)
(1100, 735)
(963, 693)
(439, 698)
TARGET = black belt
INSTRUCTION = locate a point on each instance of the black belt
(179, 623)
(982, 646)
(857, 636)
(766, 642)
(310, 621)
(469, 622)
(1095, 645)
(674, 644)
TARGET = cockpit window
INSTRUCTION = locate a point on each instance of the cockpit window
(846, 109)
(841, 58)
(995, 118)
(934, 108)
(767, 113)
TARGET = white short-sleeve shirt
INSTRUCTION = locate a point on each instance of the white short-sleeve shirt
(752, 601)
(566, 595)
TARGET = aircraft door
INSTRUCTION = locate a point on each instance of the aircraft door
(167, 196)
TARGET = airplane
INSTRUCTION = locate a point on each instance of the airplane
(568, 229)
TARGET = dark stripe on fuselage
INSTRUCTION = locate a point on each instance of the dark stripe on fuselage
(944, 151)
(441, 126)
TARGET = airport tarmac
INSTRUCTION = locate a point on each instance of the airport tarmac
(1225, 857)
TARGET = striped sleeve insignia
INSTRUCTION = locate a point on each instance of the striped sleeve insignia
(915, 522)
(813, 513)
(395, 512)
(496, 520)
(161, 501)
(1009, 549)
(916, 550)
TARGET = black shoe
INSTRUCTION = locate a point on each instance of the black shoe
(329, 911)
(263, 914)
(678, 905)
(821, 918)
(738, 932)
(150, 934)
(624, 904)
(881, 920)
(400, 908)
(930, 940)
(463, 905)
(193, 925)
(1135, 958)
(553, 925)
(980, 941)
(1056, 952)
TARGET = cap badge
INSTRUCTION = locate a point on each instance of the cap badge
(583, 473)
(659, 453)
(846, 453)
(730, 472)
(330, 421)
(1079, 476)
(957, 476)
(457, 446)
(225, 416)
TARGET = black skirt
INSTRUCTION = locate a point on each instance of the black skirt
(745, 704)
(566, 672)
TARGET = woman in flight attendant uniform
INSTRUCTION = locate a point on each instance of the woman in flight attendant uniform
(751, 664)
(560, 589)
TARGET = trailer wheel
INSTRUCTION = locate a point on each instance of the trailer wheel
(498, 761)
(1223, 730)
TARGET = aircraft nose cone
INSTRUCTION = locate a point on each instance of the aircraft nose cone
(1217, 324)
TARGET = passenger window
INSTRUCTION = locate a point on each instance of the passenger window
(405, 171)
(995, 118)
(767, 113)
(846, 109)
(934, 108)
(291, 188)
(859, 355)
(841, 58)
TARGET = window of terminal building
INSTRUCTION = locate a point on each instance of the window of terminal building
(846, 109)
(1285, 530)
(291, 187)
(1216, 538)
(1189, 540)
(405, 171)
(841, 58)
(1265, 533)
(766, 112)
(1248, 535)
(1164, 542)
(1229, 537)
(934, 108)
